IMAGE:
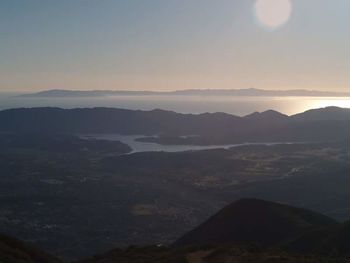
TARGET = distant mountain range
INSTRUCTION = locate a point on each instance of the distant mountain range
(248, 230)
(193, 92)
(167, 127)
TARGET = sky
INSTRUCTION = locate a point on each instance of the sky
(173, 44)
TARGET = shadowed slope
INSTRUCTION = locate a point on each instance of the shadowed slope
(255, 221)
(15, 251)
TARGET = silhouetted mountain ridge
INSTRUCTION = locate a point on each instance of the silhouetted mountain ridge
(269, 115)
(328, 113)
(325, 124)
(191, 92)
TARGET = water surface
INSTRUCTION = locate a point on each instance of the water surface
(183, 104)
(137, 146)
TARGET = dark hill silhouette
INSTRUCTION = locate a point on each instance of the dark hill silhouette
(267, 119)
(16, 251)
(267, 115)
(324, 114)
(209, 128)
(109, 120)
(255, 221)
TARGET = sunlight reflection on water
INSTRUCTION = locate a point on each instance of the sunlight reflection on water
(184, 104)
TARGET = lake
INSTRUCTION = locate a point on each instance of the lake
(154, 147)
(184, 104)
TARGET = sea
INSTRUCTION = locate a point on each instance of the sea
(239, 106)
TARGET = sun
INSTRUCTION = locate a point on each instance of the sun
(273, 13)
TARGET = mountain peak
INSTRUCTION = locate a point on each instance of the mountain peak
(255, 221)
(266, 115)
(323, 114)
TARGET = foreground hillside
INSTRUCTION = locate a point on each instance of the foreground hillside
(249, 230)
(271, 225)
(209, 254)
(16, 251)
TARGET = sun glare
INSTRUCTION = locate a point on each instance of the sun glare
(273, 13)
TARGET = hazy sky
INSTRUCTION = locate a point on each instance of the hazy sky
(172, 44)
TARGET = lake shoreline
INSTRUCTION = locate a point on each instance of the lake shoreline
(138, 146)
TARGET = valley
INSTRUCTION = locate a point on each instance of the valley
(75, 203)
